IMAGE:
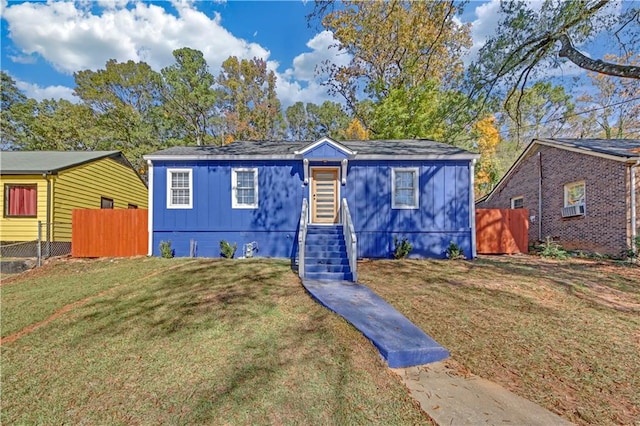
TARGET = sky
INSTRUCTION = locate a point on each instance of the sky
(45, 42)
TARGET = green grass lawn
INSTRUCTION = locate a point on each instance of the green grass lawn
(183, 341)
(564, 334)
(178, 341)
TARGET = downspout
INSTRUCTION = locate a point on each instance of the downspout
(634, 217)
(472, 208)
(46, 175)
(150, 207)
(539, 196)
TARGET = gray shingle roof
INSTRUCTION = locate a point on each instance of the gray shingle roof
(35, 162)
(378, 148)
(626, 148)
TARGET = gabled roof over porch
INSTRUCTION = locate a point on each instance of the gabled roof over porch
(325, 148)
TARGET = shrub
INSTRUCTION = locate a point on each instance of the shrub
(228, 250)
(165, 249)
(553, 250)
(454, 252)
(401, 248)
(633, 253)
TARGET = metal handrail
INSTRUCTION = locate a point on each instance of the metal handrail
(302, 236)
(350, 239)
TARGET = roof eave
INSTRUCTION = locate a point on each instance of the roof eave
(297, 157)
(584, 150)
(548, 142)
(509, 172)
(461, 156)
(27, 172)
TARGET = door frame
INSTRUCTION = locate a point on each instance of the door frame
(310, 195)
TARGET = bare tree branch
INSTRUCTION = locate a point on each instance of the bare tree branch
(596, 65)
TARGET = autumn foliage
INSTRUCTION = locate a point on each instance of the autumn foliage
(488, 139)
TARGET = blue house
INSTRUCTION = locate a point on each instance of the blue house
(324, 203)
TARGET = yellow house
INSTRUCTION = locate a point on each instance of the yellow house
(44, 186)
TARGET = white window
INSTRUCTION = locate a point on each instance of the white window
(517, 202)
(244, 188)
(574, 194)
(179, 189)
(404, 188)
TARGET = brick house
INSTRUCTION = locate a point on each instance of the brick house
(584, 193)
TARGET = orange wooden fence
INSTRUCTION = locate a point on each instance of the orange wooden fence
(502, 231)
(109, 233)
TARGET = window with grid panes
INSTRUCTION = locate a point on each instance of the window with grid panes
(404, 188)
(245, 188)
(179, 188)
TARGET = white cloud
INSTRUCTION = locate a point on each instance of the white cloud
(323, 48)
(74, 38)
(24, 59)
(301, 82)
(50, 92)
(483, 27)
(112, 4)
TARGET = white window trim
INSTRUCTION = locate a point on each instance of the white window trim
(416, 188)
(170, 205)
(514, 199)
(234, 183)
(566, 193)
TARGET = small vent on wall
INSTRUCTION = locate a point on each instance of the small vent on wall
(575, 210)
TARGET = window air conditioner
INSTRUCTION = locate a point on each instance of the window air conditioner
(575, 210)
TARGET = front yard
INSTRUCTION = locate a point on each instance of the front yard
(150, 341)
(181, 342)
(564, 334)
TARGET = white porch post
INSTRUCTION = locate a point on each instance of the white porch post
(472, 207)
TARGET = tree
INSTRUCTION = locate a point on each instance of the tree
(124, 97)
(189, 97)
(297, 122)
(60, 125)
(614, 109)
(393, 45)
(248, 100)
(529, 41)
(16, 111)
(488, 140)
(326, 119)
(356, 131)
(543, 110)
(408, 114)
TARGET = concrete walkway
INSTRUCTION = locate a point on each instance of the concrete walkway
(452, 396)
(446, 391)
(399, 341)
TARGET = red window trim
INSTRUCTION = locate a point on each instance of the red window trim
(33, 205)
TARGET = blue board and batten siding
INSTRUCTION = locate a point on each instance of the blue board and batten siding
(443, 214)
(273, 225)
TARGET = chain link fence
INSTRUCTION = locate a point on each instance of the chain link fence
(19, 249)
(54, 239)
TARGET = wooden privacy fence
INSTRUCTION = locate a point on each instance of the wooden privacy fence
(502, 231)
(109, 233)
